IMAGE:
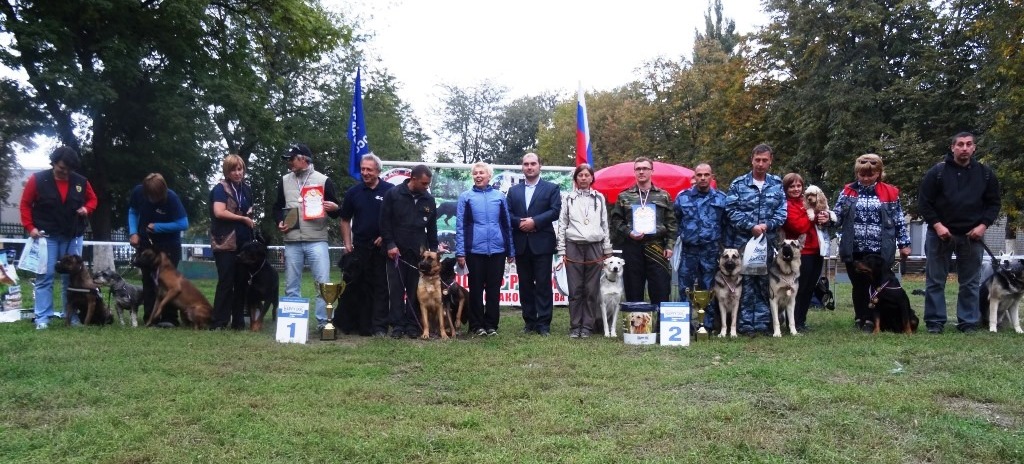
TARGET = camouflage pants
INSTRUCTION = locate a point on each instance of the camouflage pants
(755, 314)
(700, 266)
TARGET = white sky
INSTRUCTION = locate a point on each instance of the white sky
(531, 46)
(528, 46)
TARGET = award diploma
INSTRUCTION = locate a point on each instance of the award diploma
(644, 219)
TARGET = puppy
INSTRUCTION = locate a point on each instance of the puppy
(611, 293)
(888, 302)
(453, 295)
(126, 296)
(727, 289)
(815, 201)
(1001, 293)
(783, 275)
(261, 282)
(428, 291)
(175, 290)
(639, 323)
(84, 297)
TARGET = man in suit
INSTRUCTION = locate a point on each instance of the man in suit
(534, 206)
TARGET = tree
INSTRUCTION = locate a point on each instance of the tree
(19, 120)
(469, 120)
(845, 78)
(518, 125)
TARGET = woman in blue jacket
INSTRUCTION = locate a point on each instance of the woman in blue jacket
(483, 242)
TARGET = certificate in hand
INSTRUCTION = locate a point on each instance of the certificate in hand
(645, 219)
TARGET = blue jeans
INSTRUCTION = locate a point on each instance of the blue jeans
(55, 248)
(968, 272)
(296, 256)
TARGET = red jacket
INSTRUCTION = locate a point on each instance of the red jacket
(798, 223)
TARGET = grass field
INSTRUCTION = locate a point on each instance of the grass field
(118, 395)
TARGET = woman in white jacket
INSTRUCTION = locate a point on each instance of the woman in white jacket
(583, 244)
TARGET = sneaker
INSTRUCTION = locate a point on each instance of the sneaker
(397, 334)
(935, 329)
(968, 329)
(869, 326)
(492, 332)
(42, 326)
(575, 333)
(380, 334)
(165, 325)
(544, 333)
(75, 322)
(481, 332)
(584, 333)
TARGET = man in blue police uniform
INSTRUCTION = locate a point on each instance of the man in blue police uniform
(755, 206)
(701, 213)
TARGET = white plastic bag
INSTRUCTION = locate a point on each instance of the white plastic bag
(33, 256)
(755, 256)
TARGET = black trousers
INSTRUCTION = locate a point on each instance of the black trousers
(535, 290)
(228, 301)
(149, 286)
(485, 273)
(861, 284)
(810, 271)
(646, 266)
(363, 308)
(404, 305)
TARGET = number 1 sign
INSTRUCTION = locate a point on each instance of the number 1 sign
(293, 320)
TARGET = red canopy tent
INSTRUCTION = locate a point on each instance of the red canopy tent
(616, 178)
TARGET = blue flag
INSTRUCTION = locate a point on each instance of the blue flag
(357, 132)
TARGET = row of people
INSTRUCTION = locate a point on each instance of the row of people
(385, 226)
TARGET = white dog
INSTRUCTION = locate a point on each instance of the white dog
(611, 293)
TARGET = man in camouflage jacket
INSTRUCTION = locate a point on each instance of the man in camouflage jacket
(755, 205)
(646, 254)
(701, 213)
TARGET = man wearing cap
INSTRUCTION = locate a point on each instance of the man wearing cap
(305, 199)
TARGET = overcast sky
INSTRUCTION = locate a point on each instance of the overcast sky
(531, 46)
(528, 46)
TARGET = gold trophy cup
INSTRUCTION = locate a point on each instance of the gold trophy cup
(699, 300)
(330, 292)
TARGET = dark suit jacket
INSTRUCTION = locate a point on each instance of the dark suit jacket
(545, 206)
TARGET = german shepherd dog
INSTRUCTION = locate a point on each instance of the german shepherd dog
(261, 282)
(889, 304)
(428, 292)
(84, 297)
(727, 289)
(175, 290)
(126, 296)
(453, 295)
(783, 282)
(1001, 293)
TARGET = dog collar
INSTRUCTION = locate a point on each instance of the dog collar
(873, 293)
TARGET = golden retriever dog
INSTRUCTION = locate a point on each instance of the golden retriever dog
(428, 292)
(639, 323)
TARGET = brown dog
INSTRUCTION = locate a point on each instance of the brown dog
(83, 294)
(176, 290)
(428, 291)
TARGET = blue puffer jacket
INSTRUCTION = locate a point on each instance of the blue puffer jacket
(482, 223)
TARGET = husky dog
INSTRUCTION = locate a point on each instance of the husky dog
(727, 288)
(1001, 294)
(783, 275)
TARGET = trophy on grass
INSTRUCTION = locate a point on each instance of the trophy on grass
(699, 300)
(330, 292)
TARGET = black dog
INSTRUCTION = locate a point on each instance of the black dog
(84, 297)
(453, 296)
(888, 301)
(259, 280)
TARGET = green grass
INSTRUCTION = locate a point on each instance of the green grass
(834, 395)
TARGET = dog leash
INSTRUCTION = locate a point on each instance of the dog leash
(999, 268)
(409, 310)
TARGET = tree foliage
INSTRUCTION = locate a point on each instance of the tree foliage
(469, 120)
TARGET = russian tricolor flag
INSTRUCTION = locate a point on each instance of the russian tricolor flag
(583, 153)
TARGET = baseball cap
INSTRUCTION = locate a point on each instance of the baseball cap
(298, 149)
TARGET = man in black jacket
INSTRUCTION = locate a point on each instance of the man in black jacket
(959, 199)
(408, 223)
